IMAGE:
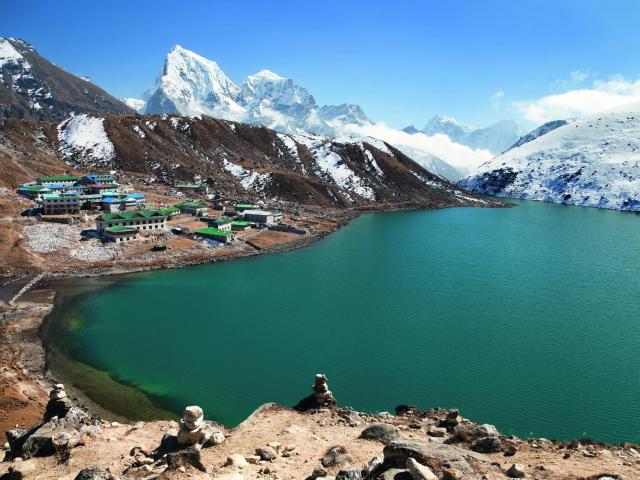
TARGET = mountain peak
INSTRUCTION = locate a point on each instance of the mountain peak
(267, 75)
(192, 85)
(32, 87)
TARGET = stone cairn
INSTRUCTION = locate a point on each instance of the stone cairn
(192, 429)
(58, 404)
(452, 420)
(321, 396)
(321, 391)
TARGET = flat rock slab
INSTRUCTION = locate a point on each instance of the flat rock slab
(381, 432)
(431, 454)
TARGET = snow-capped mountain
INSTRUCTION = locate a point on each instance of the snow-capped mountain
(496, 137)
(193, 85)
(593, 161)
(31, 87)
(538, 132)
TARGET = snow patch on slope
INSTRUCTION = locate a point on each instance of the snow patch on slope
(84, 141)
(331, 164)
(9, 55)
(593, 161)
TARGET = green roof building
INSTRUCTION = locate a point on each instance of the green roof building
(120, 233)
(141, 220)
(215, 234)
(241, 207)
(197, 208)
(240, 225)
(64, 180)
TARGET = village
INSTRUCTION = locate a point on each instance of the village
(95, 217)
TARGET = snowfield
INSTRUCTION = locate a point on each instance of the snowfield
(331, 164)
(593, 161)
(84, 141)
(9, 55)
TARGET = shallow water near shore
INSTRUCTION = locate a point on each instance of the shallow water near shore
(527, 318)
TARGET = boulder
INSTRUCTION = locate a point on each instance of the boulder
(55, 435)
(267, 453)
(95, 474)
(380, 432)
(351, 473)
(432, 454)
(189, 456)
(236, 460)
(487, 445)
(372, 467)
(253, 459)
(336, 456)
(419, 471)
(484, 430)
(516, 471)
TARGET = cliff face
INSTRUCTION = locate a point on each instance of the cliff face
(234, 159)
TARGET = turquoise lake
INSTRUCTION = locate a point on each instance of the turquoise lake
(527, 318)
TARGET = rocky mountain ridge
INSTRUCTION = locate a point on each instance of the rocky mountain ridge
(33, 88)
(234, 159)
(592, 161)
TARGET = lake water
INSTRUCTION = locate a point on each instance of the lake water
(527, 318)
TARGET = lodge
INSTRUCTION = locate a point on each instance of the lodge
(221, 223)
(140, 220)
(261, 217)
(120, 234)
(241, 207)
(97, 178)
(60, 203)
(239, 225)
(215, 234)
(197, 208)
(64, 180)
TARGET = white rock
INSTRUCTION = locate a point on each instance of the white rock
(419, 471)
(236, 460)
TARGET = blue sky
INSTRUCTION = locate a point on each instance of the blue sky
(402, 61)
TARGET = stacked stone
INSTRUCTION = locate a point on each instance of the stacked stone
(321, 391)
(453, 418)
(192, 429)
(58, 404)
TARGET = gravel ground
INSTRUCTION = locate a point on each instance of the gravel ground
(50, 237)
(46, 237)
(94, 251)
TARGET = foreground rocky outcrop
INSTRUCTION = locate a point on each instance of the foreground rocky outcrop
(323, 442)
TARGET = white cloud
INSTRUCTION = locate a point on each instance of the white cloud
(578, 76)
(603, 95)
(421, 147)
